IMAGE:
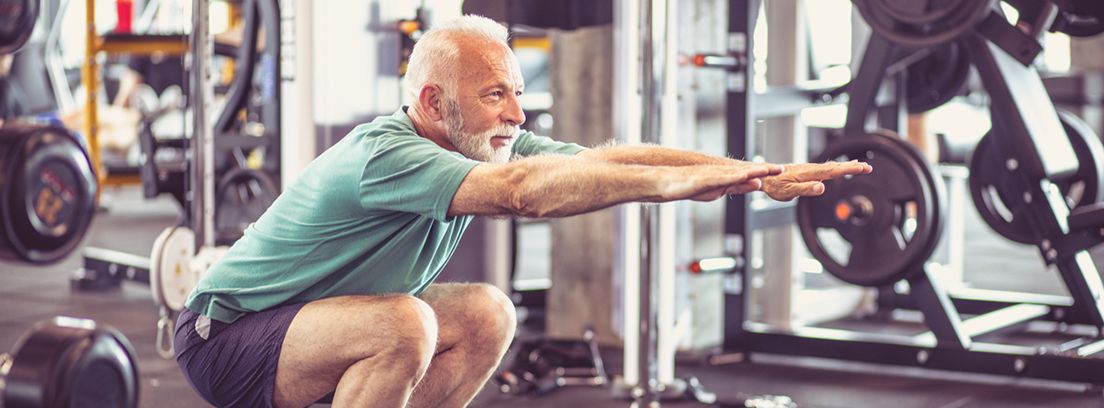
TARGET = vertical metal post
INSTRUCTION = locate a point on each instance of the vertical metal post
(740, 127)
(626, 125)
(92, 86)
(203, 147)
(297, 142)
(653, 42)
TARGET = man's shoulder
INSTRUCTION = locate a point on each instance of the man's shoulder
(395, 124)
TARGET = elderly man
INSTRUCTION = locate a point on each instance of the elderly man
(331, 289)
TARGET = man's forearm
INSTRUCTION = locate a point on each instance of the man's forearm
(651, 155)
(558, 186)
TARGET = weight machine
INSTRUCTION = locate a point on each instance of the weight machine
(891, 221)
(219, 192)
(48, 198)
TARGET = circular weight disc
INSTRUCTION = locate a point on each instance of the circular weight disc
(51, 200)
(69, 362)
(1084, 18)
(242, 196)
(920, 24)
(17, 22)
(936, 78)
(997, 200)
(891, 219)
(171, 275)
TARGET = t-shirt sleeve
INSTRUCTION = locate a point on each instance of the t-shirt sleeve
(411, 174)
(529, 144)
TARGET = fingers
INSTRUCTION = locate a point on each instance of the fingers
(830, 170)
(762, 170)
(809, 188)
(746, 187)
(850, 168)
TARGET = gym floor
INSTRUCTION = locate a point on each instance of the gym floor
(29, 294)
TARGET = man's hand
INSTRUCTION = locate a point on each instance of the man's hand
(806, 179)
(710, 182)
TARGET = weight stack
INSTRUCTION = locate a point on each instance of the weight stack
(47, 192)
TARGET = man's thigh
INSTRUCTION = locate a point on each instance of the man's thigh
(329, 335)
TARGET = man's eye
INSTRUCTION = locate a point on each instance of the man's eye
(496, 94)
(518, 93)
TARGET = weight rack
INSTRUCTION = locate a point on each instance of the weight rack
(949, 343)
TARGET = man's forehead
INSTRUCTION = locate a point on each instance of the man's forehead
(492, 65)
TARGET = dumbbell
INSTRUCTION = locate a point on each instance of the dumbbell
(67, 362)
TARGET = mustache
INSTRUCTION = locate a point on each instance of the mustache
(500, 130)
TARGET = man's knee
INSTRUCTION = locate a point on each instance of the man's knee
(415, 332)
(494, 308)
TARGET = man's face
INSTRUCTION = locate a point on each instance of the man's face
(483, 115)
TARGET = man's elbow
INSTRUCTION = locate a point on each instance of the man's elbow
(522, 193)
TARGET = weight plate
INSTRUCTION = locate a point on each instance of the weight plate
(17, 21)
(50, 200)
(68, 362)
(923, 23)
(936, 78)
(996, 199)
(242, 196)
(171, 276)
(890, 219)
(1082, 25)
(1082, 18)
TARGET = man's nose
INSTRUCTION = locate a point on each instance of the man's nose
(513, 114)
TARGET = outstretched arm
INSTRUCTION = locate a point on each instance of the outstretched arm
(652, 155)
(797, 180)
(558, 186)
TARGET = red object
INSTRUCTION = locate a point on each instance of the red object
(699, 60)
(124, 9)
(695, 267)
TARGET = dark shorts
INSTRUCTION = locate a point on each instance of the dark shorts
(236, 365)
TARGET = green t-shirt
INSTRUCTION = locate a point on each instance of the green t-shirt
(368, 216)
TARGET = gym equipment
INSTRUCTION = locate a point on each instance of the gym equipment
(919, 24)
(171, 274)
(17, 20)
(47, 198)
(892, 218)
(68, 362)
(938, 77)
(242, 196)
(1078, 18)
(215, 214)
(1034, 168)
(541, 366)
(990, 174)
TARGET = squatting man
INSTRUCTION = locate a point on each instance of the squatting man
(331, 290)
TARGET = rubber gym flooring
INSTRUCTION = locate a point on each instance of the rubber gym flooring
(29, 294)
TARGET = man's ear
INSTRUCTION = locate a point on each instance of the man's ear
(431, 101)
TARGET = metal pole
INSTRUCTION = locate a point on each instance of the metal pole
(653, 41)
(203, 147)
(91, 87)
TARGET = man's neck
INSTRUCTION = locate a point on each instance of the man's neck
(426, 128)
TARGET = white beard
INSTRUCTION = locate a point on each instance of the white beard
(477, 146)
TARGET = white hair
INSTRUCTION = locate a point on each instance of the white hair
(435, 55)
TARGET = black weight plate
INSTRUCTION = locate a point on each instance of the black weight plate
(920, 24)
(936, 78)
(1002, 209)
(901, 226)
(50, 201)
(67, 362)
(242, 196)
(17, 21)
(1080, 27)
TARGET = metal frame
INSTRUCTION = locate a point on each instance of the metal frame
(212, 135)
(951, 342)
